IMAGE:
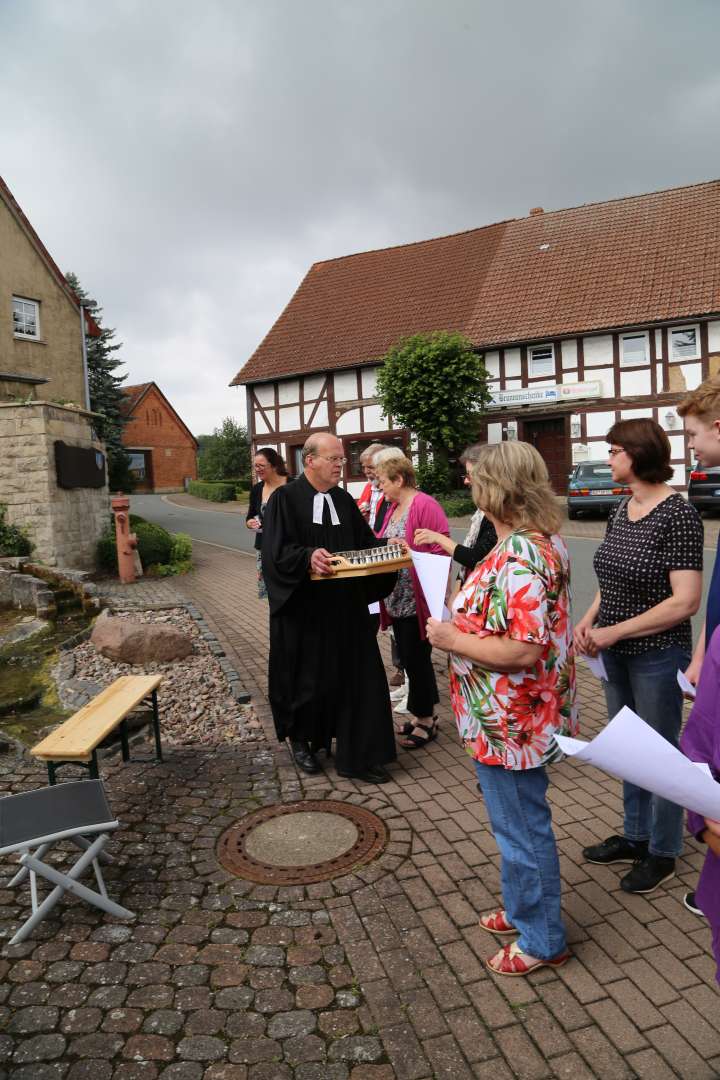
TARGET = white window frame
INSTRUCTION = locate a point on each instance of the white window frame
(635, 363)
(532, 374)
(695, 327)
(36, 305)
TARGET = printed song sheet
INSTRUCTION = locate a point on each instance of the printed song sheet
(629, 749)
(433, 571)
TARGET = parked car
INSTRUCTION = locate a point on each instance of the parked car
(704, 488)
(591, 489)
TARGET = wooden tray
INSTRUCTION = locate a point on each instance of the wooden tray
(351, 564)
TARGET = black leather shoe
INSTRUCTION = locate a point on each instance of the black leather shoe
(375, 774)
(647, 874)
(304, 758)
(616, 849)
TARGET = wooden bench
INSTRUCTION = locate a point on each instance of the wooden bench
(76, 741)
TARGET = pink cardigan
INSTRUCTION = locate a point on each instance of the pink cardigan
(424, 513)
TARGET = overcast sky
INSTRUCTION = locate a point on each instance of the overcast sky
(190, 160)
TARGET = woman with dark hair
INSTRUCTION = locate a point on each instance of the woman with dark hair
(649, 567)
(271, 473)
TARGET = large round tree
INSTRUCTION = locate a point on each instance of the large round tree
(435, 384)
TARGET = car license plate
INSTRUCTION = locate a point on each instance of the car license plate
(603, 492)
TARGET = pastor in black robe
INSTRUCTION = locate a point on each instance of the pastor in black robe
(326, 677)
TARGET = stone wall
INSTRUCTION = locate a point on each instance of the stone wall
(63, 525)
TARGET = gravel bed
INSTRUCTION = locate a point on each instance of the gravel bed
(196, 705)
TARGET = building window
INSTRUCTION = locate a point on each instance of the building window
(26, 317)
(634, 349)
(137, 466)
(542, 360)
(685, 343)
(355, 447)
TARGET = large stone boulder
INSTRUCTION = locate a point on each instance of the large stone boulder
(131, 642)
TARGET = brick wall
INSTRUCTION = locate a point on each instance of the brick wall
(153, 427)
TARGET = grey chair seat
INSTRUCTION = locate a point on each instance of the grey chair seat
(64, 809)
(32, 821)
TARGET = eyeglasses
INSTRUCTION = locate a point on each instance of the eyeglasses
(620, 450)
(332, 460)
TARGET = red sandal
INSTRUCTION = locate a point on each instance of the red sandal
(512, 961)
(497, 923)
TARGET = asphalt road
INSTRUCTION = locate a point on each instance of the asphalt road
(229, 531)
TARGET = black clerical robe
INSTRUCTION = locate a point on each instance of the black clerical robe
(326, 677)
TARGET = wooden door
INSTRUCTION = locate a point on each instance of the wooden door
(550, 439)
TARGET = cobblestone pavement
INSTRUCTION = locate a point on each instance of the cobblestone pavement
(374, 976)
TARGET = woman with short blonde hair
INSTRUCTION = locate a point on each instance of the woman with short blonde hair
(512, 688)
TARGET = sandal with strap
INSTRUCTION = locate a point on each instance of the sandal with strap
(497, 923)
(512, 961)
(404, 729)
(420, 735)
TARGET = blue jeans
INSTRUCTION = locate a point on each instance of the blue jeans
(530, 871)
(647, 684)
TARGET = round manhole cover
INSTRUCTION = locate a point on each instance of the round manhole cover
(301, 843)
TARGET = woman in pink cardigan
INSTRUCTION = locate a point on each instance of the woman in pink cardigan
(406, 607)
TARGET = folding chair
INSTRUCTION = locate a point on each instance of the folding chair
(33, 821)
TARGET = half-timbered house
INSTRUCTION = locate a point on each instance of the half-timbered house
(583, 316)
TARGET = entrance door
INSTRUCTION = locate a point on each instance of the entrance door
(550, 440)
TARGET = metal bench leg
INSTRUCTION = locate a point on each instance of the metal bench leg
(124, 744)
(51, 772)
(23, 871)
(67, 883)
(156, 726)
(84, 844)
(94, 773)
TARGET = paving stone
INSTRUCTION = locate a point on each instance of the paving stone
(232, 997)
(339, 1023)
(40, 1048)
(405, 1052)
(81, 1021)
(201, 1048)
(35, 1018)
(249, 1051)
(149, 1048)
(285, 1025)
(446, 1058)
(225, 1071)
(315, 996)
(183, 1070)
(163, 1022)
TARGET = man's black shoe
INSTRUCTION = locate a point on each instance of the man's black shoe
(304, 758)
(647, 874)
(374, 774)
(616, 849)
(691, 904)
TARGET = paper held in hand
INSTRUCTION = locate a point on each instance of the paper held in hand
(432, 572)
(685, 685)
(631, 750)
(596, 665)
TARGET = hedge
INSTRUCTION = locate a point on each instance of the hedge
(456, 505)
(215, 491)
(155, 545)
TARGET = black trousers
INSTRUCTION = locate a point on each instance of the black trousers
(416, 658)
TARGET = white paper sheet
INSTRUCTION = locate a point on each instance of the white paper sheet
(374, 609)
(596, 665)
(685, 685)
(433, 571)
(629, 749)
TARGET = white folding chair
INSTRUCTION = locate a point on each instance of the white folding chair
(33, 821)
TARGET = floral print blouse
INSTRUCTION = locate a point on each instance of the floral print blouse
(522, 591)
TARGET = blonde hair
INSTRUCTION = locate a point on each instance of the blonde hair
(704, 401)
(395, 468)
(510, 481)
(386, 453)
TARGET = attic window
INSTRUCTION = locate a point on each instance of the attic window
(684, 343)
(541, 360)
(634, 349)
(26, 317)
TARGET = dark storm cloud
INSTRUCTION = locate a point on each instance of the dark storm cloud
(190, 161)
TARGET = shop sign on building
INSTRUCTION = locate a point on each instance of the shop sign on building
(544, 395)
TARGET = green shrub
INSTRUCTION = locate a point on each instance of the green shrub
(434, 477)
(170, 569)
(222, 491)
(456, 504)
(181, 550)
(107, 550)
(13, 540)
(154, 543)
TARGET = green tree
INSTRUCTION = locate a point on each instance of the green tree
(224, 455)
(105, 386)
(435, 385)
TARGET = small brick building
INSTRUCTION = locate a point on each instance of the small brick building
(162, 449)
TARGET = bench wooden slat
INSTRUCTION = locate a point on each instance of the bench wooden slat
(76, 739)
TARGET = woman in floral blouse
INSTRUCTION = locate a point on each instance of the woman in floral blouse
(512, 682)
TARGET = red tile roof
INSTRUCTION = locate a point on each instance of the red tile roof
(5, 193)
(631, 261)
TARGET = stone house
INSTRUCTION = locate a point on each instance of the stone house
(52, 465)
(162, 449)
(583, 316)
